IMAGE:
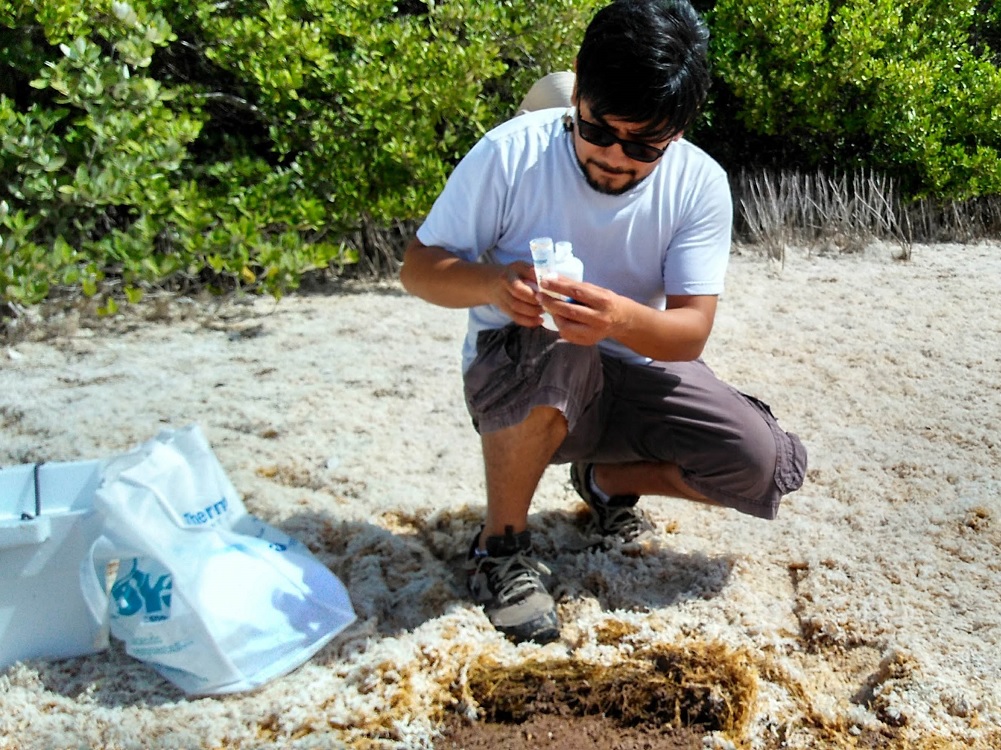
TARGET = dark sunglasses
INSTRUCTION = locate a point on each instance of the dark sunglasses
(599, 136)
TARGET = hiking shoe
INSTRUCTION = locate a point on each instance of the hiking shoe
(616, 520)
(508, 583)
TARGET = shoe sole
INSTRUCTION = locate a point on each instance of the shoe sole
(541, 630)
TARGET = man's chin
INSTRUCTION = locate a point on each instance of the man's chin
(609, 183)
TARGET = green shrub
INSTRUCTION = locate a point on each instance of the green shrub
(245, 143)
(241, 143)
(374, 104)
(894, 85)
(86, 167)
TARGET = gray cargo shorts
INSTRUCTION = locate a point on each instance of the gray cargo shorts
(728, 445)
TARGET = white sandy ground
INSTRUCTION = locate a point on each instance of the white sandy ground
(872, 603)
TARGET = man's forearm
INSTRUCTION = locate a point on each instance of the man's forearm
(439, 277)
(677, 335)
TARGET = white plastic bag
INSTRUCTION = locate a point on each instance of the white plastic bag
(213, 598)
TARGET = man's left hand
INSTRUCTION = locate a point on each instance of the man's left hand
(596, 313)
(677, 333)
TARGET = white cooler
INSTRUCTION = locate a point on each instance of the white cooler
(47, 526)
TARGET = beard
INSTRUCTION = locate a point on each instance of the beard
(604, 187)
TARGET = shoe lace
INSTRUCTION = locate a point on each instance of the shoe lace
(625, 522)
(515, 576)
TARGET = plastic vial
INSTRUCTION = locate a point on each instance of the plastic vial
(551, 261)
(567, 264)
(543, 253)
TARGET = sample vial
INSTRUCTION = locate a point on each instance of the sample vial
(552, 260)
(542, 256)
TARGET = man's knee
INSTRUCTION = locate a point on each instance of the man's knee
(756, 472)
(538, 420)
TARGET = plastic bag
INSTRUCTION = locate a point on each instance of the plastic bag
(213, 598)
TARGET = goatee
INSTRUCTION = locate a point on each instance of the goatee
(606, 189)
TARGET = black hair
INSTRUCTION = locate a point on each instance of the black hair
(645, 61)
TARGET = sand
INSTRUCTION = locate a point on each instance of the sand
(869, 612)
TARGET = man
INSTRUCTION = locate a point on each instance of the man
(619, 392)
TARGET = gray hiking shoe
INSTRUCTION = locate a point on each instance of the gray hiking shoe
(508, 583)
(617, 520)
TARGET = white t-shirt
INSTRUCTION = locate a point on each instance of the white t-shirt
(668, 235)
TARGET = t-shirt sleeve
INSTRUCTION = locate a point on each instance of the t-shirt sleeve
(699, 251)
(466, 219)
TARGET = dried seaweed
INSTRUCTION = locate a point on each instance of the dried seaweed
(699, 684)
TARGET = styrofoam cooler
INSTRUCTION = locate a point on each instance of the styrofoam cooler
(47, 526)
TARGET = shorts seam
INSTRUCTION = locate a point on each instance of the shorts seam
(516, 413)
(767, 509)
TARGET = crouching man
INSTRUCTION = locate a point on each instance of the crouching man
(618, 391)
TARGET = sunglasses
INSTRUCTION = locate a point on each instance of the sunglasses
(599, 136)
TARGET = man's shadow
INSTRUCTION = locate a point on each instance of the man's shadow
(401, 578)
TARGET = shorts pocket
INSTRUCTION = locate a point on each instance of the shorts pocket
(492, 374)
(791, 459)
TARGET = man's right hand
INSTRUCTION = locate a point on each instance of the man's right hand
(438, 276)
(516, 296)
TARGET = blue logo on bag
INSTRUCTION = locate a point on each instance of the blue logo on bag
(139, 591)
(210, 512)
